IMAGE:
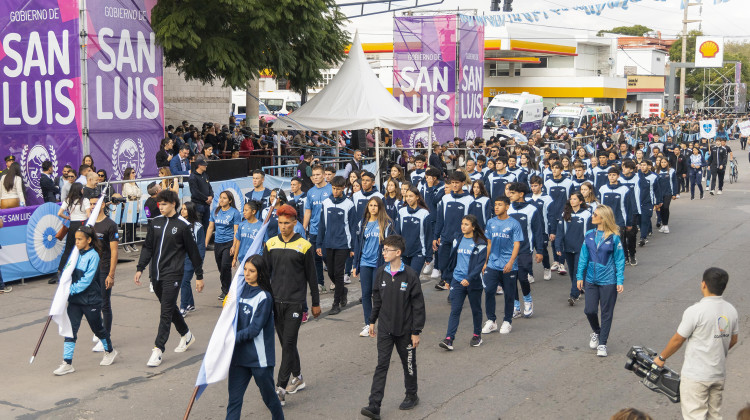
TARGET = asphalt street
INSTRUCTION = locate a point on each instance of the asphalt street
(542, 370)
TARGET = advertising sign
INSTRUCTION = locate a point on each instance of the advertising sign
(470, 80)
(709, 51)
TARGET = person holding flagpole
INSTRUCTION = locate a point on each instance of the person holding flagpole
(168, 239)
(86, 300)
(254, 349)
(291, 264)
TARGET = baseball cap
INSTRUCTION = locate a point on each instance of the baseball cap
(10, 158)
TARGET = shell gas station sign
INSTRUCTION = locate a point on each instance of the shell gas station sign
(709, 51)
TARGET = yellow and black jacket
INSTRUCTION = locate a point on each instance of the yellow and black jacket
(292, 268)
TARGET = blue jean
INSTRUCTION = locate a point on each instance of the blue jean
(695, 179)
(603, 296)
(186, 291)
(366, 278)
(416, 263)
(572, 259)
(318, 261)
(458, 294)
(493, 278)
(647, 211)
(239, 378)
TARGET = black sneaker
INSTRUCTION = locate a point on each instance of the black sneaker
(371, 412)
(711, 192)
(633, 261)
(627, 260)
(571, 301)
(222, 296)
(475, 341)
(53, 279)
(343, 297)
(658, 225)
(701, 196)
(335, 310)
(642, 243)
(447, 344)
(441, 285)
(410, 401)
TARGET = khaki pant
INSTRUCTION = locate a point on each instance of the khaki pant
(701, 400)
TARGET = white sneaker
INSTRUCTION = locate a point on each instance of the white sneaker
(528, 309)
(98, 348)
(516, 312)
(64, 369)
(548, 273)
(150, 287)
(531, 278)
(347, 280)
(435, 274)
(505, 328)
(186, 341)
(428, 268)
(108, 358)
(365, 331)
(594, 341)
(489, 326)
(666, 229)
(719, 192)
(661, 229)
(126, 248)
(94, 339)
(155, 359)
(499, 290)
(601, 351)
(555, 266)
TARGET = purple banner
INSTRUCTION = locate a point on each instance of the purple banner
(424, 73)
(471, 80)
(40, 81)
(125, 89)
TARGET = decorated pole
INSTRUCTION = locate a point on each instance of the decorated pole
(41, 337)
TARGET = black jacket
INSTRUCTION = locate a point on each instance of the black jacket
(200, 189)
(292, 268)
(718, 157)
(398, 301)
(168, 241)
(49, 188)
(162, 158)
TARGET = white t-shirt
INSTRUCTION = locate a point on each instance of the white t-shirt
(77, 212)
(708, 326)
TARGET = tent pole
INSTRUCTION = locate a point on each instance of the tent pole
(429, 144)
(377, 155)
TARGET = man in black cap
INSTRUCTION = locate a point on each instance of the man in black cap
(201, 192)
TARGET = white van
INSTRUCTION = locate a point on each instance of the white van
(281, 103)
(525, 107)
(563, 115)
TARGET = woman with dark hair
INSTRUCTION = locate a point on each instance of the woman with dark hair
(571, 229)
(164, 155)
(88, 160)
(350, 180)
(467, 257)
(86, 300)
(168, 184)
(368, 252)
(392, 198)
(480, 207)
(131, 192)
(247, 230)
(74, 209)
(254, 347)
(276, 199)
(414, 224)
(11, 188)
(225, 220)
(189, 213)
(669, 186)
(102, 174)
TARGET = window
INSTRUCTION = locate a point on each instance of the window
(327, 77)
(541, 65)
(282, 84)
(502, 69)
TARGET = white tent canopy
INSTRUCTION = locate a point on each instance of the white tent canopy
(354, 99)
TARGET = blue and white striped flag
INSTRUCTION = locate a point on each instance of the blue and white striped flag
(59, 309)
(215, 366)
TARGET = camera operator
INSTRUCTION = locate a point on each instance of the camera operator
(710, 328)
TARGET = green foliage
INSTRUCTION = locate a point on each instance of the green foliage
(635, 30)
(235, 40)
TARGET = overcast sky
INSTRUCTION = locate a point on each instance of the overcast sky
(728, 19)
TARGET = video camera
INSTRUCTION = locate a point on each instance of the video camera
(658, 379)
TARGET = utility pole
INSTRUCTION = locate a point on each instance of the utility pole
(685, 22)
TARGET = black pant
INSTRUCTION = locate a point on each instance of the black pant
(70, 243)
(408, 355)
(684, 182)
(106, 296)
(629, 239)
(94, 318)
(224, 264)
(665, 209)
(336, 262)
(743, 142)
(239, 378)
(129, 232)
(166, 291)
(604, 297)
(287, 320)
(715, 171)
(204, 214)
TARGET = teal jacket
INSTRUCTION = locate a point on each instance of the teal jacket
(602, 261)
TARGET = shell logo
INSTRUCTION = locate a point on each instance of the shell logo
(709, 49)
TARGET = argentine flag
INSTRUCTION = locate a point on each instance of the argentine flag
(59, 309)
(215, 366)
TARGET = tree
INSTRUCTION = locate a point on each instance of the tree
(235, 40)
(635, 30)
